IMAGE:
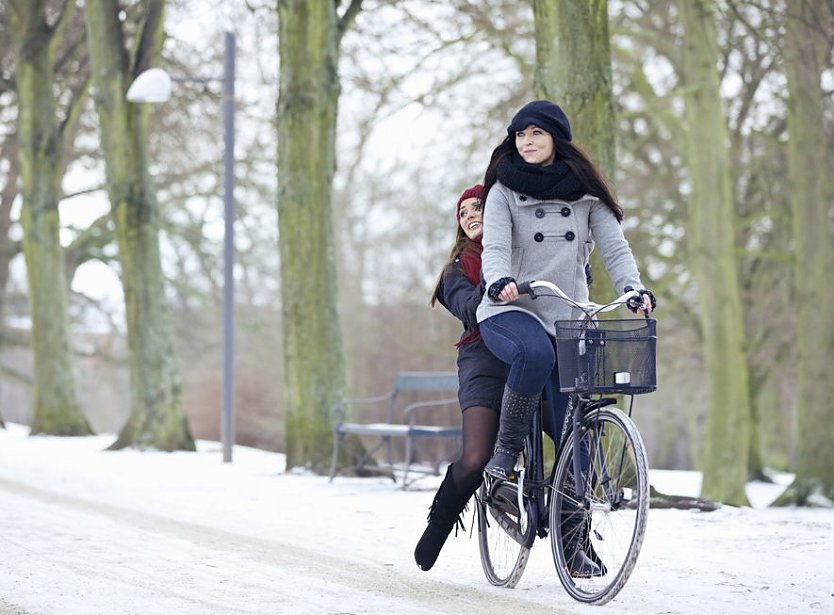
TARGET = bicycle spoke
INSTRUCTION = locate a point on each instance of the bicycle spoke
(613, 510)
(502, 542)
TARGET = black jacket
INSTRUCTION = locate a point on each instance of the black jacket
(481, 374)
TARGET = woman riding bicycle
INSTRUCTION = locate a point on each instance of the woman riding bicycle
(481, 377)
(546, 204)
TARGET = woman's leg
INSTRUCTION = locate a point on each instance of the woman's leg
(553, 421)
(480, 427)
(519, 340)
(480, 424)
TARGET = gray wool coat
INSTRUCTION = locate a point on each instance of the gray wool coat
(529, 239)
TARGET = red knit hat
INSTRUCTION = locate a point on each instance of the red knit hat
(476, 191)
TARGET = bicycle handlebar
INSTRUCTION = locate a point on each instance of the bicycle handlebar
(588, 307)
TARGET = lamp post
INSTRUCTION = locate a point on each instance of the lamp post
(154, 86)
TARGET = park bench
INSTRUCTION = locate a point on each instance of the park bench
(412, 423)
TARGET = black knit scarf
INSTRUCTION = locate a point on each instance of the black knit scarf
(555, 181)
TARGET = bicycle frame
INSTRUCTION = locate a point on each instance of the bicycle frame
(534, 486)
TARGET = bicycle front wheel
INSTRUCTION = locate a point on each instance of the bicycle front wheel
(504, 534)
(609, 523)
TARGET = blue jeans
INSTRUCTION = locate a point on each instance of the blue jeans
(519, 340)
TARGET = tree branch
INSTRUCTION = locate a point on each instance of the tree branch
(149, 42)
(347, 19)
(67, 129)
(60, 27)
(89, 243)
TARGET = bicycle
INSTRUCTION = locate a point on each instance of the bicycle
(608, 506)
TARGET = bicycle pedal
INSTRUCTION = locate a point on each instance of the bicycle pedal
(505, 498)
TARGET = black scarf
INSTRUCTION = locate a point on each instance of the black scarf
(555, 181)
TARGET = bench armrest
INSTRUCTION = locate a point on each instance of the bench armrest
(339, 408)
(410, 410)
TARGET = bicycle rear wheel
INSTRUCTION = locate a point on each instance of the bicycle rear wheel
(611, 520)
(504, 536)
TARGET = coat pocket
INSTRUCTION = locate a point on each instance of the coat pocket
(517, 263)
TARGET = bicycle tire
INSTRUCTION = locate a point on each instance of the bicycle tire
(503, 543)
(617, 481)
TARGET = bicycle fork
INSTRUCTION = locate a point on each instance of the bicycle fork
(576, 418)
(582, 448)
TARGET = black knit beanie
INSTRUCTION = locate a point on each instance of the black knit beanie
(543, 114)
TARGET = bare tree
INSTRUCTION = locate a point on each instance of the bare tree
(44, 136)
(156, 419)
(712, 253)
(309, 34)
(806, 53)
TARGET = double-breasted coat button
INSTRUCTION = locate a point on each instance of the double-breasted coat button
(540, 213)
(570, 236)
(566, 211)
(522, 198)
(538, 237)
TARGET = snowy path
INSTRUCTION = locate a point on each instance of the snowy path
(85, 531)
(144, 563)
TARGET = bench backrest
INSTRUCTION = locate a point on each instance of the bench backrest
(426, 381)
(421, 381)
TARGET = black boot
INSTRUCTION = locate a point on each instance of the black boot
(516, 411)
(574, 530)
(445, 511)
(588, 547)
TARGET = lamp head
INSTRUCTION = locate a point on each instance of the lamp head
(151, 86)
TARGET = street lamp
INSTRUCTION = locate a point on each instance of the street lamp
(154, 86)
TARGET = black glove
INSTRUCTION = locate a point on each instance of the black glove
(497, 286)
(637, 303)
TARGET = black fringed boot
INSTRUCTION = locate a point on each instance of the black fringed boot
(445, 511)
(516, 411)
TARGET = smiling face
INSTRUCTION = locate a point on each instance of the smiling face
(535, 145)
(471, 217)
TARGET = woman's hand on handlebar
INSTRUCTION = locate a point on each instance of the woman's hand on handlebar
(509, 293)
(645, 304)
(504, 290)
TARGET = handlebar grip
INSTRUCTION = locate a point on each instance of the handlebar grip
(524, 288)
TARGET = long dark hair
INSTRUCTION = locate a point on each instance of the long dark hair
(574, 156)
(462, 244)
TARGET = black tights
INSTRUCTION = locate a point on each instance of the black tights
(480, 428)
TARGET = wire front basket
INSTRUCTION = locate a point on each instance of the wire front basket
(608, 356)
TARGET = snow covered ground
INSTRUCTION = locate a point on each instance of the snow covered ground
(86, 531)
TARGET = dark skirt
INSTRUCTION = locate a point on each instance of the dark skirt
(481, 376)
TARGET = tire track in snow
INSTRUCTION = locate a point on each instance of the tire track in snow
(294, 576)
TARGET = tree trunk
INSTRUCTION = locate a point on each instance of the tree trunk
(573, 69)
(56, 410)
(156, 417)
(8, 193)
(809, 172)
(314, 368)
(711, 236)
